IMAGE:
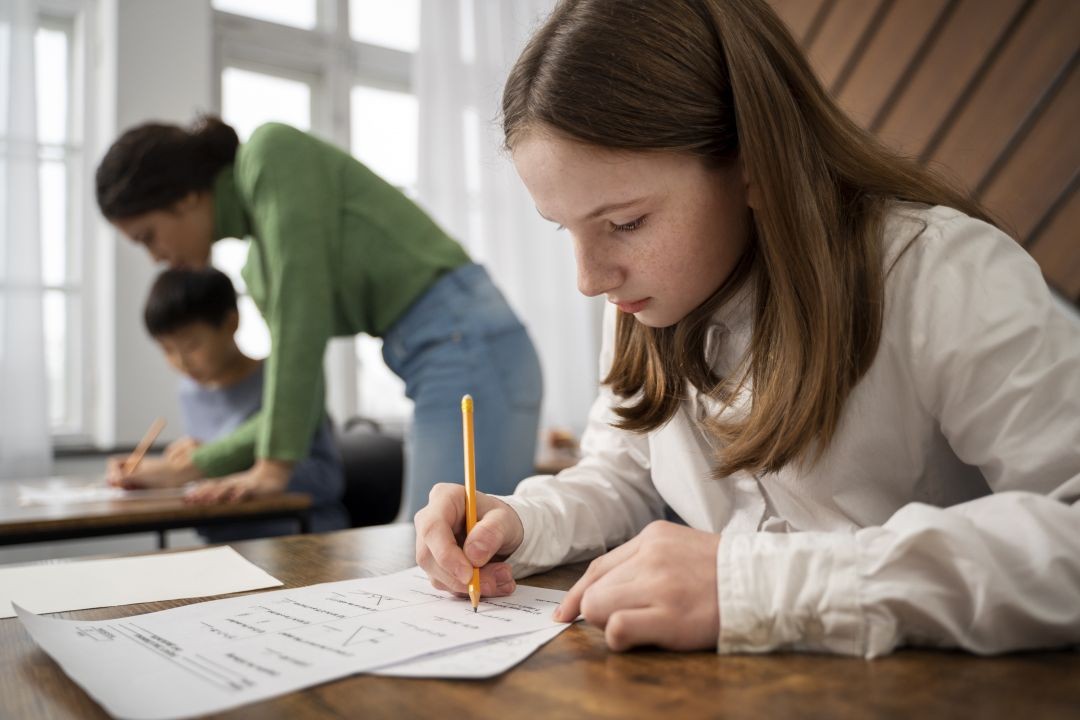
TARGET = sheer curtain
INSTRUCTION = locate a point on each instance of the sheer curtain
(24, 422)
(469, 185)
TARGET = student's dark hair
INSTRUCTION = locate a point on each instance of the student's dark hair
(724, 81)
(181, 297)
(153, 165)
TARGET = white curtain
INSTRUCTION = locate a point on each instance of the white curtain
(468, 183)
(24, 421)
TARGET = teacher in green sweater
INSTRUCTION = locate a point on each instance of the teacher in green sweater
(334, 251)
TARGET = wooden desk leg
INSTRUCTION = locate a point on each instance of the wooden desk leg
(162, 541)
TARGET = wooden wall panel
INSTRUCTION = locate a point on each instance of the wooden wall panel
(1055, 248)
(840, 35)
(1033, 56)
(948, 68)
(889, 55)
(1040, 165)
(987, 90)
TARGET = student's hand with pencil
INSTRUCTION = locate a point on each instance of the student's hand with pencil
(266, 477)
(152, 472)
(181, 450)
(440, 528)
(657, 589)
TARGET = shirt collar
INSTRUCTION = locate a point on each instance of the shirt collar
(230, 220)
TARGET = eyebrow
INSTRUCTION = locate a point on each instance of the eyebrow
(602, 209)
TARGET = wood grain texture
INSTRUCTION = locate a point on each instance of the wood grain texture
(576, 676)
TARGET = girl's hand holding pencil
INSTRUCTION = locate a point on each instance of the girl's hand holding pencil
(440, 530)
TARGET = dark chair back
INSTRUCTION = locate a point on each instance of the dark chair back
(374, 472)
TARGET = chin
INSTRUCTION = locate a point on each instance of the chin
(655, 320)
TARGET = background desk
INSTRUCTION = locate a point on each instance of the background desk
(43, 523)
(576, 676)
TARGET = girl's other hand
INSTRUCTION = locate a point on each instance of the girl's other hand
(440, 532)
(657, 589)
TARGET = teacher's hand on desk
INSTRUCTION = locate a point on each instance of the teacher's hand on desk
(440, 530)
(657, 589)
(266, 477)
(152, 472)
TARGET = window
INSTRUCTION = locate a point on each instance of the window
(60, 194)
(343, 70)
(297, 13)
(249, 99)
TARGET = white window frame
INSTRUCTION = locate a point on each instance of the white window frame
(76, 18)
(331, 62)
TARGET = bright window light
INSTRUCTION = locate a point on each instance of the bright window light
(297, 13)
(249, 99)
(385, 133)
(393, 24)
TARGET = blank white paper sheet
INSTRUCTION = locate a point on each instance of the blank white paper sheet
(84, 584)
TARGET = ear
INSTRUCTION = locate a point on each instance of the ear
(186, 203)
(753, 195)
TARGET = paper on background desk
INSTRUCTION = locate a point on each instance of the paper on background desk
(120, 581)
(213, 656)
(68, 494)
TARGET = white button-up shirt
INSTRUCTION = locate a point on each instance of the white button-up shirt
(944, 512)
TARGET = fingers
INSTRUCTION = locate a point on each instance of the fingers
(211, 492)
(639, 626)
(622, 588)
(437, 551)
(496, 579)
(439, 527)
(114, 471)
(571, 604)
(488, 536)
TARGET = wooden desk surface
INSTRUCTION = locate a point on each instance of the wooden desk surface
(575, 675)
(25, 523)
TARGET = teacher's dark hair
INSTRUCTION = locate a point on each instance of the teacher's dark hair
(151, 166)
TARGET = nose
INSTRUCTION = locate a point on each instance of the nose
(597, 272)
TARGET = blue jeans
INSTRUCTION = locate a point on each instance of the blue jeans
(461, 337)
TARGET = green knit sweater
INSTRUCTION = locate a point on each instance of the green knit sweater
(335, 250)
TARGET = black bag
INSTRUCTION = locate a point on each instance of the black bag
(374, 472)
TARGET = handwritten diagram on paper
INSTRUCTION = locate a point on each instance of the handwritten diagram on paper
(212, 656)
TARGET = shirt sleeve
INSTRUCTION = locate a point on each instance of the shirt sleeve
(602, 501)
(997, 363)
(231, 454)
(289, 193)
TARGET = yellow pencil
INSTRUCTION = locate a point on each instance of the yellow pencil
(470, 489)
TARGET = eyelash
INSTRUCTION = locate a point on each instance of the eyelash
(630, 226)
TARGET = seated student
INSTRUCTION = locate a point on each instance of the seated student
(192, 314)
(857, 392)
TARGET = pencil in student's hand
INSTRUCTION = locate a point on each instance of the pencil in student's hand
(470, 489)
(148, 439)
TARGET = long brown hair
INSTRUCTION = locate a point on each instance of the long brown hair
(724, 80)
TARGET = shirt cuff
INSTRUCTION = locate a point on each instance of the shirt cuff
(528, 558)
(796, 591)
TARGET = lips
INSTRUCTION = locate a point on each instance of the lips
(632, 307)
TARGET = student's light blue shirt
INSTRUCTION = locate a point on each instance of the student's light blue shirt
(211, 413)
